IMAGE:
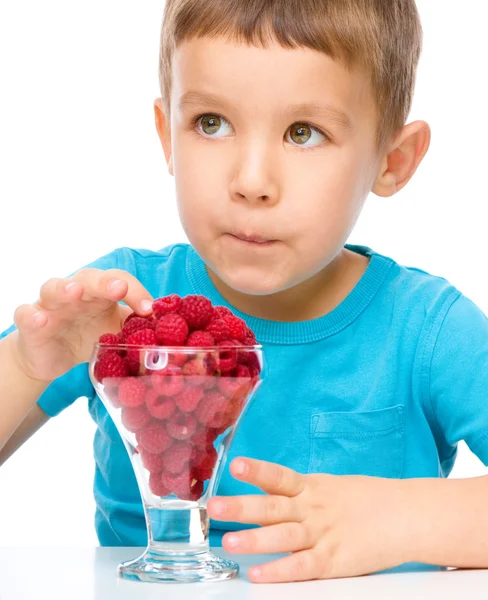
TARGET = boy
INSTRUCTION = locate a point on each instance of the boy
(277, 118)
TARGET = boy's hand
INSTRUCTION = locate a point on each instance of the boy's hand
(59, 330)
(334, 526)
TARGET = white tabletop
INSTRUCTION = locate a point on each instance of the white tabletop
(90, 574)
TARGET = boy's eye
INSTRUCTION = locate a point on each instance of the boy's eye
(301, 133)
(213, 124)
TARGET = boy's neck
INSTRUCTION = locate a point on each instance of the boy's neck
(311, 299)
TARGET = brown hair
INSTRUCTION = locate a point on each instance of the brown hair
(382, 36)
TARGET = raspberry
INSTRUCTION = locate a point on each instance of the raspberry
(235, 381)
(181, 426)
(218, 329)
(166, 305)
(183, 485)
(135, 324)
(132, 392)
(200, 339)
(157, 486)
(203, 465)
(110, 364)
(160, 408)
(212, 404)
(238, 328)
(177, 457)
(177, 359)
(135, 419)
(197, 311)
(250, 339)
(171, 330)
(142, 337)
(152, 462)
(109, 339)
(154, 438)
(203, 438)
(196, 371)
(228, 357)
(221, 311)
(187, 400)
(168, 381)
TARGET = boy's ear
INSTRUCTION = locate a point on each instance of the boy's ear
(164, 132)
(404, 155)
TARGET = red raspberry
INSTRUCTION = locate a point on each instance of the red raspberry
(135, 419)
(197, 311)
(160, 408)
(166, 305)
(203, 438)
(110, 364)
(187, 400)
(168, 381)
(154, 438)
(221, 311)
(171, 330)
(177, 359)
(250, 339)
(218, 329)
(200, 339)
(135, 324)
(238, 328)
(132, 392)
(196, 371)
(212, 404)
(228, 357)
(152, 462)
(181, 426)
(142, 337)
(183, 486)
(236, 381)
(157, 486)
(203, 465)
(109, 339)
(177, 457)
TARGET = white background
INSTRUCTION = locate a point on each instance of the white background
(79, 154)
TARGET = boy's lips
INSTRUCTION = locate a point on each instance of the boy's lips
(252, 239)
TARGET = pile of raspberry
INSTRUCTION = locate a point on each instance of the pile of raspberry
(177, 412)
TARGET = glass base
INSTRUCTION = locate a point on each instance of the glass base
(157, 567)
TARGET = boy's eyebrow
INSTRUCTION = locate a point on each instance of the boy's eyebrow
(305, 110)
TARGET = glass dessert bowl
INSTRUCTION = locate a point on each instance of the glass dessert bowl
(177, 410)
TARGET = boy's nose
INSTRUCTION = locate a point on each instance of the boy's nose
(255, 178)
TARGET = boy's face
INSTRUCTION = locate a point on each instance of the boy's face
(260, 150)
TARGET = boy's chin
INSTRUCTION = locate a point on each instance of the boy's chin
(254, 284)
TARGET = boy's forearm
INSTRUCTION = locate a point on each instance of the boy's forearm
(18, 392)
(447, 521)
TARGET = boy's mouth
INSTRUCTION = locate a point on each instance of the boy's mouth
(252, 239)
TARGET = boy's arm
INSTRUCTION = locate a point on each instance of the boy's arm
(34, 420)
(18, 392)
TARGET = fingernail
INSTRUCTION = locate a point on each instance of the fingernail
(68, 286)
(232, 540)
(146, 305)
(218, 507)
(255, 572)
(240, 467)
(113, 283)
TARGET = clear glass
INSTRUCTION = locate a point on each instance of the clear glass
(177, 410)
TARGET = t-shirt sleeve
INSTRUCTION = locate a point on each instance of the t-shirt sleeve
(457, 382)
(76, 383)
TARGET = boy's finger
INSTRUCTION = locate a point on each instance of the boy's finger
(299, 566)
(54, 294)
(283, 537)
(258, 510)
(27, 316)
(114, 284)
(269, 477)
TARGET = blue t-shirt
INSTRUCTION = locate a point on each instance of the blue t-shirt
(386, 384)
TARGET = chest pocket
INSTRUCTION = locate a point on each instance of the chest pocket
(358, 443)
